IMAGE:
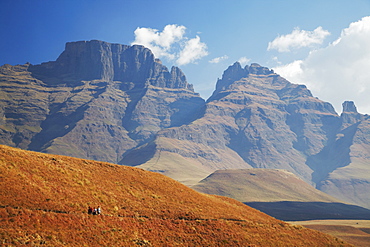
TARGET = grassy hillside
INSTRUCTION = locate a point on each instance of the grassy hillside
(356, 232)
(279, 193)
(261, 185)
(44, 199)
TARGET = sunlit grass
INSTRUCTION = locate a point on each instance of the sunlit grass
(44, 200)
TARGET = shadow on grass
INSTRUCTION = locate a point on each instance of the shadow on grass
(295, 211)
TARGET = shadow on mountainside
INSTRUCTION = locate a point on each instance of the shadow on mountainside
(56, 125)
(296, 211)
(333, 156)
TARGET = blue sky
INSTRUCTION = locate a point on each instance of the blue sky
(323, 44)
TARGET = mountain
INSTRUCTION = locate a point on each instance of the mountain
(97, 100)
(117, 103)
(253, 119)
(46, 198)
(257, 119)
(278, 193)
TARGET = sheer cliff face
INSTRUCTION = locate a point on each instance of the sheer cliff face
(98, 60)
(97, 100)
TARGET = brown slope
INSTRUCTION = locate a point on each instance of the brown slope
(44, 199)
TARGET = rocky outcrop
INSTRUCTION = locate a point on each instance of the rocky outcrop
(349, 114)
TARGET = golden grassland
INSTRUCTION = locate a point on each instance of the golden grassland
(356, 232)
(44, 200)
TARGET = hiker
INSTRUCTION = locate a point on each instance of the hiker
(98, 210)
(95, 211)
(90, 210)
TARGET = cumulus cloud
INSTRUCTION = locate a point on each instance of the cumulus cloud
(298, 39)
(291, 71)
(171, 43)
(219, 59)
(340, 71)
(192, 51)
(243, 61)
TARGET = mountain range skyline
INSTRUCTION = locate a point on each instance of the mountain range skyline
(307, 43)
(118, 103)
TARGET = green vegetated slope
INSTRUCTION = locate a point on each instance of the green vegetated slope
(44, 199)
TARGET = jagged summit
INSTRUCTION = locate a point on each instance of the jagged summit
(236, 72)
(99, 60)
(350, 114)
(349, 106)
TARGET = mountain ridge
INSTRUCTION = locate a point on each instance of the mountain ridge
(118, 103)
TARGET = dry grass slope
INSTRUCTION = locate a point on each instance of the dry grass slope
(356, 232)
(261, 185)
(44, 199)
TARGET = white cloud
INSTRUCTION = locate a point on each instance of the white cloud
(244, 61)
(298, 39)
(171, 43)
(159, 42)
(219, 59)
(292, 70)
(340, 71)
(193, 50)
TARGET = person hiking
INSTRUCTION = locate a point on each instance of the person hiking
(98, 210)
(90, 210)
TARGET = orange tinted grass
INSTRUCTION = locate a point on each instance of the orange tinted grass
(44, 199)
(56, 229)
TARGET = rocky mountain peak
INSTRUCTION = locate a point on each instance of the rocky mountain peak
(349, 107)
(234, 73)
(350, 115)
(99, 60)
(257, 69)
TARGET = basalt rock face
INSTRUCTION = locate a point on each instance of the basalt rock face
(96, 101)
